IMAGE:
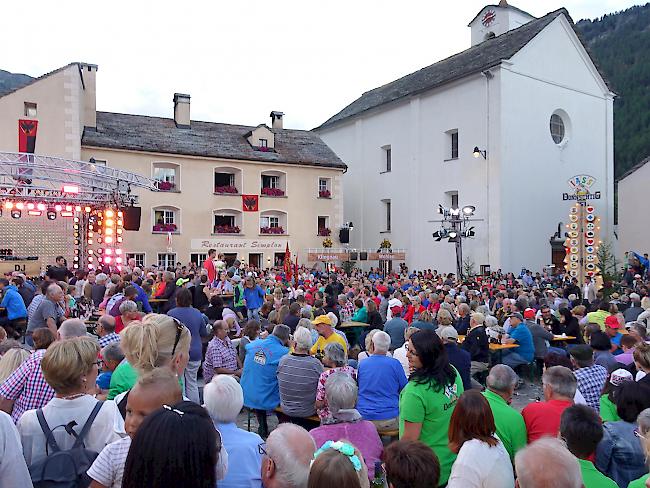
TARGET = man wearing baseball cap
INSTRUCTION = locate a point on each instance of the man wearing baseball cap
(323, 325)
(521, 336)
(459, 358)
(612, 327)
(541, 335)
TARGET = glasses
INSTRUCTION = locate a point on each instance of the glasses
(179, 331)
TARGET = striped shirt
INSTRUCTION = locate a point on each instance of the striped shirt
(298, 379)
(27, 386)
(108, 468)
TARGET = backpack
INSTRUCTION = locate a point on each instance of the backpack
(64, 469)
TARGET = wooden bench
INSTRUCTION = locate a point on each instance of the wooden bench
(391, 434)
(313, 418)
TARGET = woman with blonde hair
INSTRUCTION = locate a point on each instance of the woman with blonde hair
(70, 367)
(444, 318)
(10, 361)
(155, 341)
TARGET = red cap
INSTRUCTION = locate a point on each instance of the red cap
(529, 313)
(612, 322)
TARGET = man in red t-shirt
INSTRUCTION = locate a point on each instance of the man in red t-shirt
(208, 265)
(543, 418)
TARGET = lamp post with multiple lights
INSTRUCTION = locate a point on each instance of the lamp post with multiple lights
(456, 226)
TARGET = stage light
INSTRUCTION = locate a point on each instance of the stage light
(75, 266)
(108, 259)
(87, 209)
(120, 223)
(90, 227)
(100, 259)
(90, 234)
(109, 223)
(100, 250)
(70, 189)
(109, 214)
(108, 240)
(76, 251)
(15, 214)
(66, 214)
(118, 251)
(453, 234)
(30, 206)
(68, 208)
(90, 266)
(76, 220)
(118, 260)
(109, 252)
(9, 205)
(77, 242)
(58, 208)
(119, 239)
(34, 213)
(76, 258)
(469, 210)
(119, 231)
(90, 251)
(119, 268)
(90, 242)
(109, 232)
(51, 215)
(77, 208)
(41, 206)
(90, 259)
(20, 205)
(75, 226)
(119, 214)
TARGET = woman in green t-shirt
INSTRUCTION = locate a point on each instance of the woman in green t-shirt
(428, 400)
(607, 406)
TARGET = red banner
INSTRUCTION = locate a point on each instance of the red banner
(250, 203)
(27, 136)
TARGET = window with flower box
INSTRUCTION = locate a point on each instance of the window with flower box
(324, 188)
(273, 222)
(273, 184)
(225, 223)
(166, 176)
(323, 226)
(226, 181)
(165, 220)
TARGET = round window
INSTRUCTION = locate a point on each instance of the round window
(557, 128)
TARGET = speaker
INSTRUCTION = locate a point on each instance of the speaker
(363, 256)
(344, 235)
(132, 217)
(354, 256)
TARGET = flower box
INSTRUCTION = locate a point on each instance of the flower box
(226, 229)
(273, 192)
(271, 230)
(225, 189)
(324, 194)
(165, 185)
(264, 148)
(164, 228)
(324, 232)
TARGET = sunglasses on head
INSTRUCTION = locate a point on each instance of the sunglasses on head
(179, 331)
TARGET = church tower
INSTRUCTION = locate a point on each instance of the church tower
(494, 20)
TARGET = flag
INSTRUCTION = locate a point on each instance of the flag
(287, 263)
(250, 203)
(295, 273)
(27, 135)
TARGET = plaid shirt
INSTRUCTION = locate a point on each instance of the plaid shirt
(220, 354)
(108, 339)
(591, 381)
(347, 311)
(27, 386)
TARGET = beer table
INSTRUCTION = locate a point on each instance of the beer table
(355, 328)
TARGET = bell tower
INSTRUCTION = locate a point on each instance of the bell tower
(494, 20)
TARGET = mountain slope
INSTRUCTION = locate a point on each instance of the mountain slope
(620, 44)
(11, 81)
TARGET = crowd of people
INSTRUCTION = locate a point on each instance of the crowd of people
(145, 377)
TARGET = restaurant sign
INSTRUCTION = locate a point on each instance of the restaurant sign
(234, 245)
(328, 257)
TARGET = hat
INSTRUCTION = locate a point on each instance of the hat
(637, 276)
(612, 322)
(619, 376)
(516, 315)
(396, 310)
(449, 333)
(322, 319)
(529, 313)
(635, 296)
(582, 352)
(236, 279)
(181, 281)
(615, 296)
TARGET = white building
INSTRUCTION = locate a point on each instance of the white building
(528, 94)
(633, 232)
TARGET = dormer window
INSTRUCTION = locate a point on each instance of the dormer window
(261, 138)
(264, 143)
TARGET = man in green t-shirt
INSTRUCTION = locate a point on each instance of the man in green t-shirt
(510, 425)
(431, 410)
(581, 429)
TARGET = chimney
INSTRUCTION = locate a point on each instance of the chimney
(182, 110)
(276, 119)
(88, 75)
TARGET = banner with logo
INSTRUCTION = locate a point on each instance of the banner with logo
(250, 203)
(27, 135)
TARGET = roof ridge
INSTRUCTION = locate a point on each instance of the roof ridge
(38, 78)
(544, 20)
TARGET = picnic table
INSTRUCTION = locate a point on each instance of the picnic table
(563, 338)
(156, 303)
(355, 329)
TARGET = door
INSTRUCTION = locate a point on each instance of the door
(229, 258)
(255, 260)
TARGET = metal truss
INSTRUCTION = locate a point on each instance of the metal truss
(42, 178)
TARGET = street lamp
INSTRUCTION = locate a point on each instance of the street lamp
(478, 152)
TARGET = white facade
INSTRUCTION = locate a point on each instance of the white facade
(518, 190)
(633, 232)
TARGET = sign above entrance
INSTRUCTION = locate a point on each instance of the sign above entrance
(234, 245)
